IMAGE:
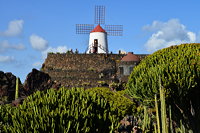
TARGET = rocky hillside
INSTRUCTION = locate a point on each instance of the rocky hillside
(35, 80)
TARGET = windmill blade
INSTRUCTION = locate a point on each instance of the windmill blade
(99, 15)
(114, 30)
(84, 28)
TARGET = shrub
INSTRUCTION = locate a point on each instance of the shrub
(177, 68)
(121, 103)
(74, 110)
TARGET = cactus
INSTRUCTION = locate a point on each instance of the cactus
(179, 70)
(145, 119)
(181, 129)
(170, 120)
(74, 110)
(157, 115)
(17, 88)
(163, 110)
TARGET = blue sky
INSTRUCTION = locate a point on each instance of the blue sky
(29, 29)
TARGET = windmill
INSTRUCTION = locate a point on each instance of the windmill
(98, 36)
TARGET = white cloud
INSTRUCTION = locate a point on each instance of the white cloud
(5, 45)
(5, 59)
(38, 42)
(168, 33)
(60, 49)
(192, 36)
(14, 28)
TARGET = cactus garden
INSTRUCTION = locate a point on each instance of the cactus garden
(162, 94)
(175, 70)
(74, 110)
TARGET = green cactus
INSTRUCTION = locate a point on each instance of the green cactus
(163, 110)
(17, 88)
(74, 110)
(178, 68)
(170, 120)
(157, 115)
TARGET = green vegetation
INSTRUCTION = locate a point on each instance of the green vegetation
(157, 127)
(91, 69)
(17, 88)
(4, 98)
(116, 86)
(165, 86)
(74, 110)
(163, 110)
(158, 120)
(167, 125)
(119, 102)
(177, 70)
(101, 83)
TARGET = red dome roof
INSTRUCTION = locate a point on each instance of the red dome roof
(98, 28)
(130, 57)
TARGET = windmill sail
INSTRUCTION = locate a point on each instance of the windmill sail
(84, 28)
(99, 15)
(98, 36)
(114, 30)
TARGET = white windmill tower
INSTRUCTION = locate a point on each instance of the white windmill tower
(98, 42)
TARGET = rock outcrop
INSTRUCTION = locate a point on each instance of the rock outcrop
(8, 85)
(37, 80)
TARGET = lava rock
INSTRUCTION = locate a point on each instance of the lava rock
(8, 85)
(37, 80)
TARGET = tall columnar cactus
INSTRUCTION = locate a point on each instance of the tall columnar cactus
(157, 115)
(163, 111)
(17, 88)
(170, 120)
(144, 126)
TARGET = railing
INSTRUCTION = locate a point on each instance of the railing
(99, 46)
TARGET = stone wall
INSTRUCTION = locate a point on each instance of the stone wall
(82, 69)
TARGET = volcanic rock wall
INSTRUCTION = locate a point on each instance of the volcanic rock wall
(82, 69)
(7, 86)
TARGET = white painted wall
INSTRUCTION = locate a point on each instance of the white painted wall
(102, 42)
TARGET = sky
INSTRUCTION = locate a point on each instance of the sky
(29, 29)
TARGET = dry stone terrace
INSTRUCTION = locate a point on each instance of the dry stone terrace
(83, 69)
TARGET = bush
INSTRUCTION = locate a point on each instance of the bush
(74, 110)
(177, 68)
(121, 103)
